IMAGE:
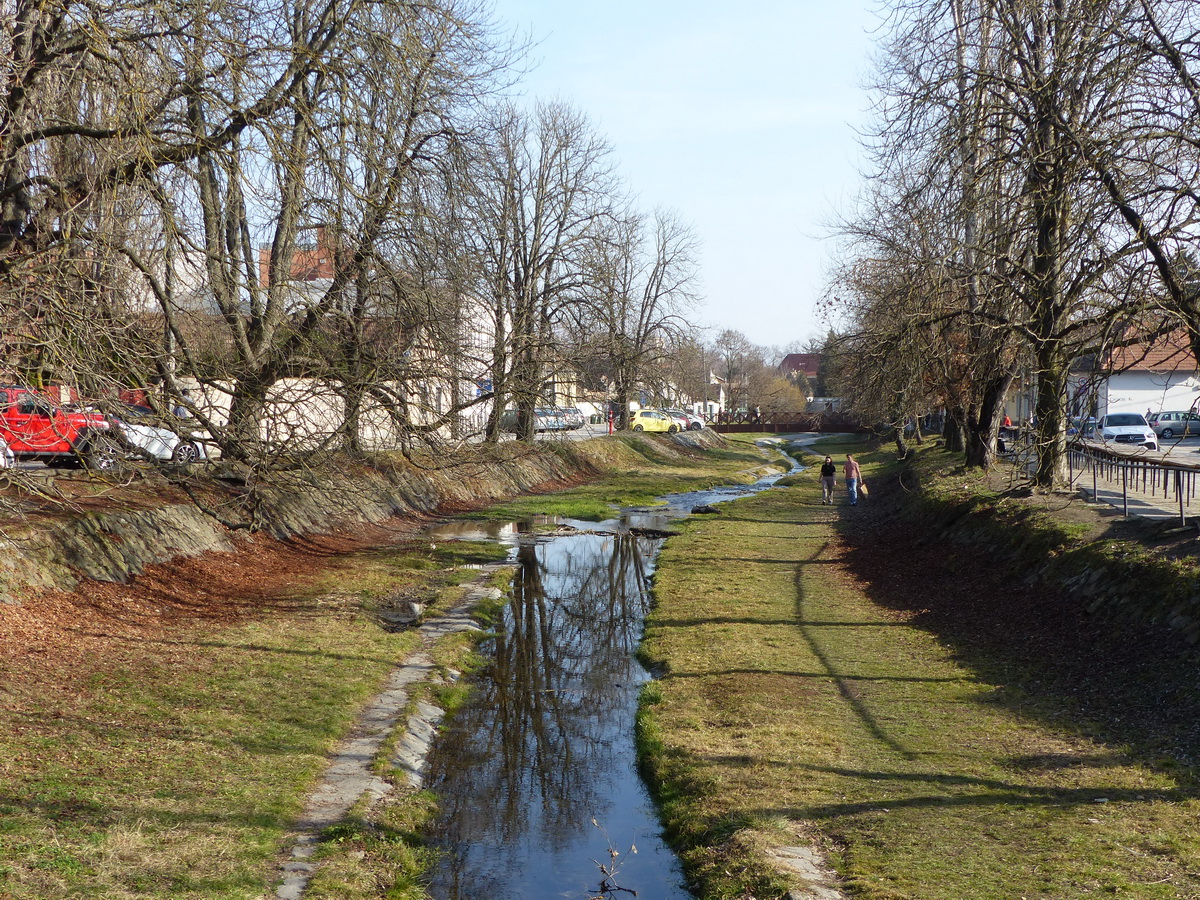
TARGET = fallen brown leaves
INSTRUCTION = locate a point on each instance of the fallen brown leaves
(60, 638)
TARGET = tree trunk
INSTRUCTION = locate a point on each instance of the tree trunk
(621, 405)
(952, 431)
(1051, 427)
(982, 426)
(243, 435)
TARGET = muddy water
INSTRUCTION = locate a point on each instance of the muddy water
(537, 775)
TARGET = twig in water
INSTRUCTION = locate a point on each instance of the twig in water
(608, 884)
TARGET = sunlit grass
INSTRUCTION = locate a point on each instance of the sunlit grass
(638, 471)
(179, 768)
(790, 703)
(179, 776)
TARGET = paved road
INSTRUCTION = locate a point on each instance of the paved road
(1183, 449)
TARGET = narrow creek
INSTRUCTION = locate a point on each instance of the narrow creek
(537, 774)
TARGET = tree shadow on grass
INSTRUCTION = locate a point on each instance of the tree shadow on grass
(972, 791)
(1124, 685)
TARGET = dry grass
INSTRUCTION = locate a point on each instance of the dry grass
(157, 741)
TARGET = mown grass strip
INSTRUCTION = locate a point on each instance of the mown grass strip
(794, 708)
(175, 766)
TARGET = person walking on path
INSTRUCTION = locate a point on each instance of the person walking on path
(828, 480)
(853, 475)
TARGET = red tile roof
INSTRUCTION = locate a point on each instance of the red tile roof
(806, 363)
(1171, 353)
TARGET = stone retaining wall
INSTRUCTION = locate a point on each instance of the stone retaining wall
(118, 544)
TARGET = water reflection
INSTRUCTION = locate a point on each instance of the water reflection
(546, 745)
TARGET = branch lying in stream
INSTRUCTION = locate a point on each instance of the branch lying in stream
(608, 885)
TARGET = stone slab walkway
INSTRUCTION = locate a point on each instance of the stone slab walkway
(349, 777)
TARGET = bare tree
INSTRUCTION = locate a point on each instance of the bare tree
(231, 193)
(302, 223)
(639, 280)
(540, 192)
(987, 106)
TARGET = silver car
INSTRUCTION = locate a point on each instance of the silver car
(1171, 424)
(573, 416)
(146, 436)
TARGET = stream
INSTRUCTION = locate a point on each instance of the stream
(537, 773)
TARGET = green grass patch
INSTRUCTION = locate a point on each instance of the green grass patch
(383, 856)
(637, 471)
(178, 767)
(177, 773)
(795, 708)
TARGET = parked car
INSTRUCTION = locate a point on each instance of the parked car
(147, 436)
(1128, 428)
(652, 420)
(677, 417)
(1169, 424)
(36, 428)
(544, 419)
(690, 421)
(1084, 427)
(549, 418)
(574, 417)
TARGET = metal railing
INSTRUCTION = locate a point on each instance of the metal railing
(1152, 477)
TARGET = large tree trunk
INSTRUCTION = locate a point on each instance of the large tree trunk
(621, 392)
(952, 430)
(982, 426)
(1051, 427)
(243, 437)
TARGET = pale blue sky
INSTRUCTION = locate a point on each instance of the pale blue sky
(739, 117)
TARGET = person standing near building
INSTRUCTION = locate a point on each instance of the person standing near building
(828, 480)
(853, 476)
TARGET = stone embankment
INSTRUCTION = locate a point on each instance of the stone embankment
(119, 540)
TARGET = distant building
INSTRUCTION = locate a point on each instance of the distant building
(313, 261)
(1161, 375)
(824, 405)
(806, 364)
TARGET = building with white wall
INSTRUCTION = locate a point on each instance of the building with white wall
(1145, 377)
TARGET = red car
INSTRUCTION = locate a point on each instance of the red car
(36, 428)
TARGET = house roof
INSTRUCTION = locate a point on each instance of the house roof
(807, 364)
(1171, 353)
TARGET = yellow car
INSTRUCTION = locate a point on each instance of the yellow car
(652, 420)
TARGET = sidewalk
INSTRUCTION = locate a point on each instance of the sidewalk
(1148, 489)
(1148, 492)
(1149, 506)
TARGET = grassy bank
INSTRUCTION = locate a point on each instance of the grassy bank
(170, 762)
(158, 739)
(636, 471)
(833, 678)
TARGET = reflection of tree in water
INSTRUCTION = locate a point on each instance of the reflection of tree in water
(529, 757)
